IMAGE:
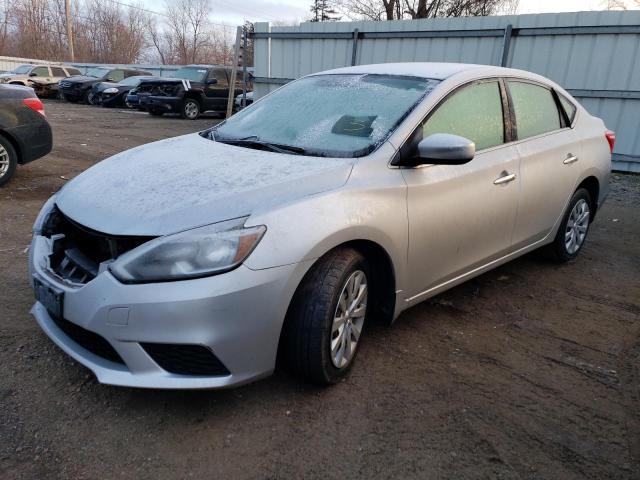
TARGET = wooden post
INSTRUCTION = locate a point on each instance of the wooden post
(67, 12)
(234, 70)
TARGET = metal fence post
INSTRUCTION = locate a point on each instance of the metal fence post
(354, 49)
(506, 43)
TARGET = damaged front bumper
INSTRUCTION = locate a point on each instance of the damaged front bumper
(118, 331)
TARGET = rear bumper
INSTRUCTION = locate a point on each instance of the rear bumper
(34, 139)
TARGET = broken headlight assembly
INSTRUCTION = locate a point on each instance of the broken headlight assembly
(45, 212)
(195, 253)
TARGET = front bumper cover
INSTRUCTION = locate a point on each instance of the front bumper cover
(238, 315)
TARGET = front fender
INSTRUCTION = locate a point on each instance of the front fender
(371, 206)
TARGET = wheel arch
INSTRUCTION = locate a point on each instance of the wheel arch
(14, 143)
(592, 185)
(382, 267)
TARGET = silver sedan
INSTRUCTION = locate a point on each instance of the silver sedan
(345, 195)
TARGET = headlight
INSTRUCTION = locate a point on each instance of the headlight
(42, 217)
(111, 90)
(195, 253)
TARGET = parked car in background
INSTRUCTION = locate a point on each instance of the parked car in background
(110, 94)
(192, 90)
(78, 88)
(195, 261)
(248, 100)
(42, 73)
(25, 134)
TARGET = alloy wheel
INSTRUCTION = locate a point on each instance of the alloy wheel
(191, 109)
(348, 319)
(4, 161)
(577, 225)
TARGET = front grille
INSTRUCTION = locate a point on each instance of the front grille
(186, 359)
(88, 340)
(65, 84)
(78, 251)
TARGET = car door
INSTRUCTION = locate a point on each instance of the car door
(216, 89)
(550, 151)
(462, 216)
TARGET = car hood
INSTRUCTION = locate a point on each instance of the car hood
(189, 181)
(81, 79)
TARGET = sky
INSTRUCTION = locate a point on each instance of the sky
(234, 12)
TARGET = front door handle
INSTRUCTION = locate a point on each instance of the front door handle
(570, 159)
(505, 178)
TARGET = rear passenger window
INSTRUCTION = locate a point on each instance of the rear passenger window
(221, 76)
(73, 71)
(569, 108)
(535, 109)
(57, 72)
(474, 112)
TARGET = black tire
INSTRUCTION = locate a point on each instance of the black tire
(12, 156)
(307, 333)
(190, 109)
(156, 113)
(558, 249)
(85, 97)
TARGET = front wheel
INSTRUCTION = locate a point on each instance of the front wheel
(190, 109)
(327, 316)
(8, 161)
(574, 227)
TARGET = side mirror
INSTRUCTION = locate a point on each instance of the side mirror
(444, 149)
(33, 74)
(110, 79)
(211, 81)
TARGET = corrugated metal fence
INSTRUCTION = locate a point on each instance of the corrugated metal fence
(594, 55)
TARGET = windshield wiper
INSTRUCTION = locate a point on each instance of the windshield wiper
(254, 141)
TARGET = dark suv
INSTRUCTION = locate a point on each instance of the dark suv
(192, 90)
(78, 88)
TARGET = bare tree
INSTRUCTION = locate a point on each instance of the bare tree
(411, 9)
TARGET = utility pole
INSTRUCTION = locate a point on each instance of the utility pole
(67, 12)
(234, 72)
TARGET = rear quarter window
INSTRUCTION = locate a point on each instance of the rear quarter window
(535, 109)
(569, 107)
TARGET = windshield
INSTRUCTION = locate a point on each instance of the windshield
(193, 74)
(329, 115)
(96, 72)
(22, 69)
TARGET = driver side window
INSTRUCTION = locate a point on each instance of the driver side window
(40, 71)
(473, 112)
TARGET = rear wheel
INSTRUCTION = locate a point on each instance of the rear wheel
(574, 227)
(8, 161)
(327, 316)
(190, 109)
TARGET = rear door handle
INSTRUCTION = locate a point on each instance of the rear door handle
(570, 159)
(505, 178)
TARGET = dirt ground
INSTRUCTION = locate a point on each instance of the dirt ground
(529, 371)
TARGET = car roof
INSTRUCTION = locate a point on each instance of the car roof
(435, 70)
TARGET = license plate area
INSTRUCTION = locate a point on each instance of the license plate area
(50, 297)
